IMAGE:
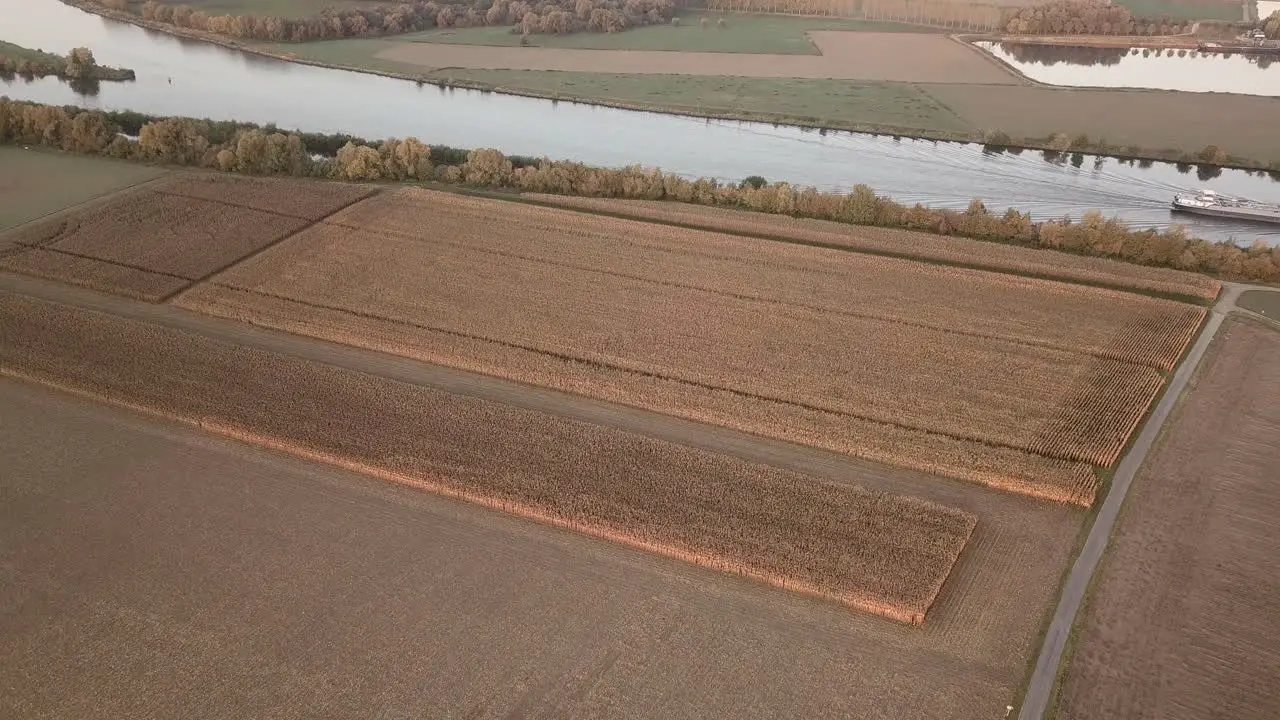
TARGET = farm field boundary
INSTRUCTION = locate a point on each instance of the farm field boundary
(785, 532)
(1188, 578)
(969, 652)
(891, 242)
(1049, 457)
(156, 240)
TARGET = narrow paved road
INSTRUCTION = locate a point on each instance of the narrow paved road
(1036, 701)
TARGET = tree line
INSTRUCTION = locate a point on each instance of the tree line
(1086, 17)
(79, 64)
(523, 16)
(251, 149)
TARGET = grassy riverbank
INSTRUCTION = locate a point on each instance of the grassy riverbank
(1139, 124)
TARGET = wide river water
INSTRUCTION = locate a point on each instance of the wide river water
(183, 77)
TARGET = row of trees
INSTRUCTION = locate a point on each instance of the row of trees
(233, 147)
(79, 64)
(526, 16)
(1085, 17)
(945, 13)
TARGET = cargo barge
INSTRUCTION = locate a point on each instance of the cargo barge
(1209, 202)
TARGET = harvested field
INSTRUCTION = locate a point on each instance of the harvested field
(128, 526)
(907, 243)
(1183, 621)
(901, 57)
(872, 551)
(152, 242)
(1007, 381)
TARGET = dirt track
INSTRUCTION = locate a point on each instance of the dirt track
(902, 57)
(1183, 621)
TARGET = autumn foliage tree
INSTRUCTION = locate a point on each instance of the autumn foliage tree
(1074, 17)
(537, 16)
(249, 149)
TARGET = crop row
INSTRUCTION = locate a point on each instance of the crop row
(926, 246)
(1105, 323)
(881, 553)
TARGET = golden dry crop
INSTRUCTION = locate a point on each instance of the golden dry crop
(908, 243)
(880, 553)
(1009, 381)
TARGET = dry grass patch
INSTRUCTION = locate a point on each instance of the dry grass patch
(880, 553)
(1011, 382)
(1184, 621)
(310, 200)
(906, 243)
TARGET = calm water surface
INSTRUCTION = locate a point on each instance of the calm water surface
(181, 77)
(1142, 68)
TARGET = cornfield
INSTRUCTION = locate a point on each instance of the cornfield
(877, 552)
(1010, 381)
(908, 243)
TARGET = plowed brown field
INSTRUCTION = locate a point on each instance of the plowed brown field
(1008, 381)
(152, 242)
(875, 552)
(908, 243)
(1184, 621)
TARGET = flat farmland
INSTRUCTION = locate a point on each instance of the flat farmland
(1012, 382)
(159, 549)
(1012, 259)
(34, 183)
(156, 240)
(1183, 621)
(891, 56)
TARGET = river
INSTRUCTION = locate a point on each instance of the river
(183, 77)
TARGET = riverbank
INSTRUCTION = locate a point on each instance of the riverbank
(249, 149)
(1126, 124)
(38, 63)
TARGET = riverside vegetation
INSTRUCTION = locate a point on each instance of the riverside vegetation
(540, 16)
(250, 149)
(79, 64)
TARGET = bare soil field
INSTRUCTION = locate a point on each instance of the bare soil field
(154, 241)
(875, 552)
(160, 551)
(34, 183)
(1031, 262)
(902, 57)
(1008, 381)
(1239, 124)
(1183, 621)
